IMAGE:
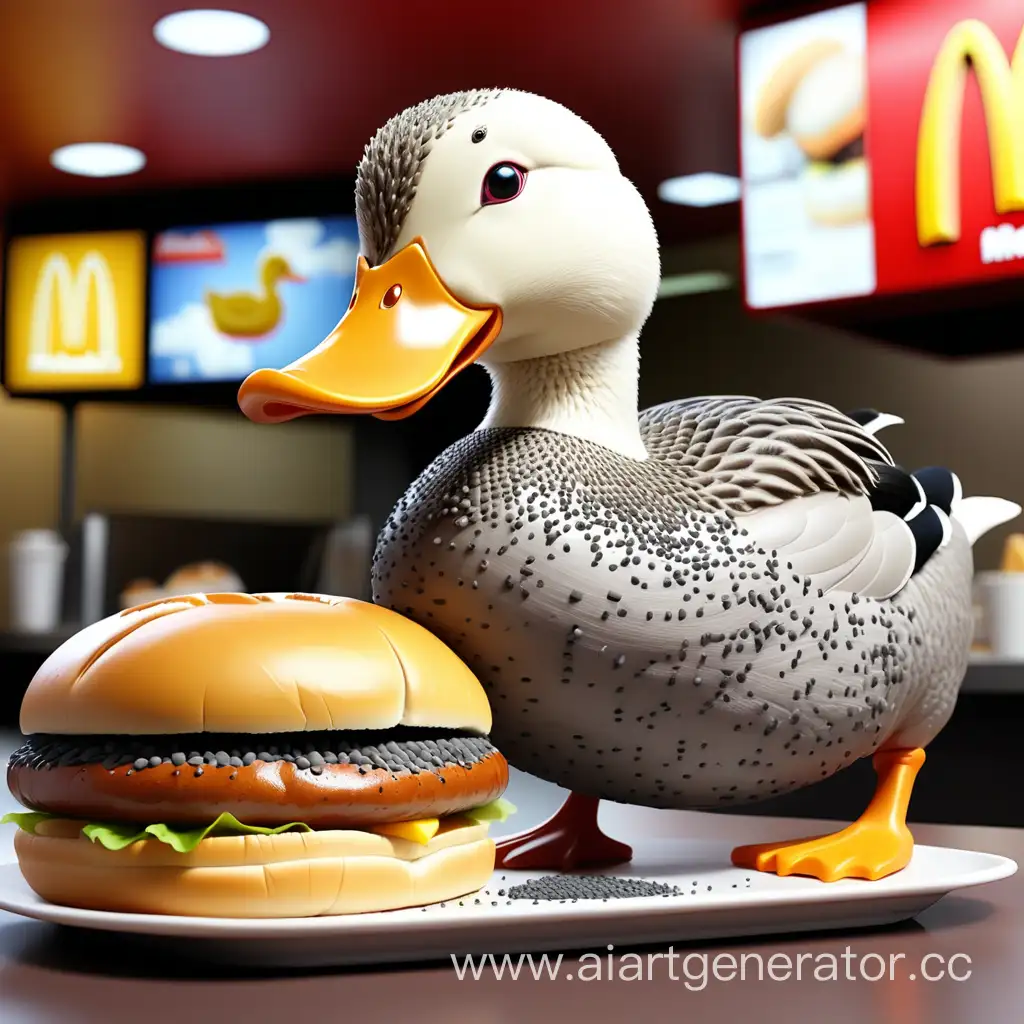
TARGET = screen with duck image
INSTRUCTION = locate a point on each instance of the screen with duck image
(230, 299)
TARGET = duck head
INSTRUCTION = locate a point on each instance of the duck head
(495, 226)
(277, 268)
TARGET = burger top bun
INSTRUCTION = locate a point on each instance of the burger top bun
(241, 663)
(777, 91)
(828, 110)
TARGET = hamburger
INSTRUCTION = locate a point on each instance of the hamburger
(818, 96)
(772, 102)
(202, 578)
(196, 578)
(826, 117)
(238, 755)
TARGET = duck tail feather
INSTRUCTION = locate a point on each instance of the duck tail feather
(940, 486)
(929, 531)
(872, 421)
(979, 514)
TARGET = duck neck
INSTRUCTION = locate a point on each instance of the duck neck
(590, 393)
(268, 279)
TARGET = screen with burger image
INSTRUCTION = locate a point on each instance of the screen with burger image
(807, 230)
(245, 756)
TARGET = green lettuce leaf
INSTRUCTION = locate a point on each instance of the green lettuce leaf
(496, 810)
(182, 840)
(118, 835)
(26, 820)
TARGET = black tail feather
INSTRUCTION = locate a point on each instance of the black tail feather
(923, 499)
(896, 491)
(929, 530)
(941, 486)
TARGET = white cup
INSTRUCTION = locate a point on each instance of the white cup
(37, 577)
(1002, 599)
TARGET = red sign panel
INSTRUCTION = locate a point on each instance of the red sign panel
(946, 141)
(882, 150)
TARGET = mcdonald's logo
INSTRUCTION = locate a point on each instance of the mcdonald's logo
(72, 291)
(75, 312)
(971, 45)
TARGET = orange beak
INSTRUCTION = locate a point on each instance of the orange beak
(403, 338)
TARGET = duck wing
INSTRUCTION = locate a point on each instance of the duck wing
(745, 454)
(804, 480)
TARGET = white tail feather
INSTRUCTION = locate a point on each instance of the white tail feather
(977, 515)
(881, 421)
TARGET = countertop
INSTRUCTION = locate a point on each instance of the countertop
(52, 974)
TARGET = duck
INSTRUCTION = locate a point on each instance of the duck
(250, 315)
(697, 606)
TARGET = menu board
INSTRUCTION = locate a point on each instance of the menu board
(807, 228)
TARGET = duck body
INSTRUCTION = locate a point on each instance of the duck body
(639, 644)
(244, 316)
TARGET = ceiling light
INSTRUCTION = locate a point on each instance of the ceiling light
(98, 159)
(211, 33)
(707, 189)
(694, 284)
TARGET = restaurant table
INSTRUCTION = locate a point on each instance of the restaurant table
(48, 973)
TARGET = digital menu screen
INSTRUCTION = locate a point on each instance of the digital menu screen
(808, 234)
(226, 300)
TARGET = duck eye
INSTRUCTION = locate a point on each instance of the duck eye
(502, 183)
(391, 296)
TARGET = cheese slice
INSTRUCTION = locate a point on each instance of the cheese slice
(422, 830)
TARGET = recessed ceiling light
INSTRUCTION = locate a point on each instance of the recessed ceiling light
(694, 284)
(707, 189)
(211, 33)
(98, 159)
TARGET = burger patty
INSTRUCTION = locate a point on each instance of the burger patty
(330, 779)
(402, 749)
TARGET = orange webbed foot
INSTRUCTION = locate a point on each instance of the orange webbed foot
(861, 850)
(876, 845)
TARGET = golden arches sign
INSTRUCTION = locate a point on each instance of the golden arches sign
(74, 316)
(67, 349)
(969, 44)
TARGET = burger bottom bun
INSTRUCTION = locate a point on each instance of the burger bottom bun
(839, 194)
(295, 874)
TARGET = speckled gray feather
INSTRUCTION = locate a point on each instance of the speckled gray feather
(636, 642)
(741, 454)
(390, 169)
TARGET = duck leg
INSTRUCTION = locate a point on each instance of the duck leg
(569, 839)
(877, 844)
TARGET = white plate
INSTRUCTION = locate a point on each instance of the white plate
(717, 901)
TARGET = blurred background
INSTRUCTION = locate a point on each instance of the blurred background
(176, 201)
